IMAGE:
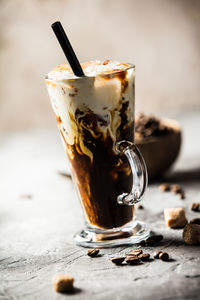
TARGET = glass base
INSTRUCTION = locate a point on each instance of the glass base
(132, 234)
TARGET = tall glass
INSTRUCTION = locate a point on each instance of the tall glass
(95, 116)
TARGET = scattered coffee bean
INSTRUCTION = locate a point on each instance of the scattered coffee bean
(132, 260)
(93, 252)
(131, 256)
(195, 207)
(181, 195)
(175, 217)
(135, 252)
(154, 239)
(191, 234)
(140, 206)
(63, 283)
(149, 126)
(175, 188)
(164, 256)
(157, 253)
(118, 260)
(144, 256)
(195, 221)
(165, 187)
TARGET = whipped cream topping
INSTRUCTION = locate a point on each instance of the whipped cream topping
(91, 68)
(102, 96)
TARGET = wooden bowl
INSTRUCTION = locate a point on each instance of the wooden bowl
(160, 152)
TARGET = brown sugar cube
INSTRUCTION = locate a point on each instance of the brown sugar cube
(175, 217)
(191, 234)
(63, 283)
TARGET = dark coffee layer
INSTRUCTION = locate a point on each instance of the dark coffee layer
(102, 180)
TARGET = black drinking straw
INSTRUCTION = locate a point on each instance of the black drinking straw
(67, 49)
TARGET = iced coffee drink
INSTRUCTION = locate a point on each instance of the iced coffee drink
(93, 113)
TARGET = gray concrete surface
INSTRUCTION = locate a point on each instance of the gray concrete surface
(36, 234)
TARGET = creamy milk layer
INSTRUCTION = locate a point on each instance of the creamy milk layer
(106, 89)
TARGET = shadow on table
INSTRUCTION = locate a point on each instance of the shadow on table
(72, 292)
(191, 175)
(168, 242)
(179, 243)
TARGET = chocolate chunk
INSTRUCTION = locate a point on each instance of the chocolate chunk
(93, 252)
(195, 221)
(132, 260)
(164, 256)
(63, 283)
(165, 187)
(118, 260)
(135, 252)
(195, 207)
(157, 253)
(154, 239)
(144, 256)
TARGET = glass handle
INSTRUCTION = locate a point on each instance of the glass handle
(139, 171)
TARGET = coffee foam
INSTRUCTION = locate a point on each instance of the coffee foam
(91, 68)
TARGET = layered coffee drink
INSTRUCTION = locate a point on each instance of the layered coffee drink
(93, 113)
